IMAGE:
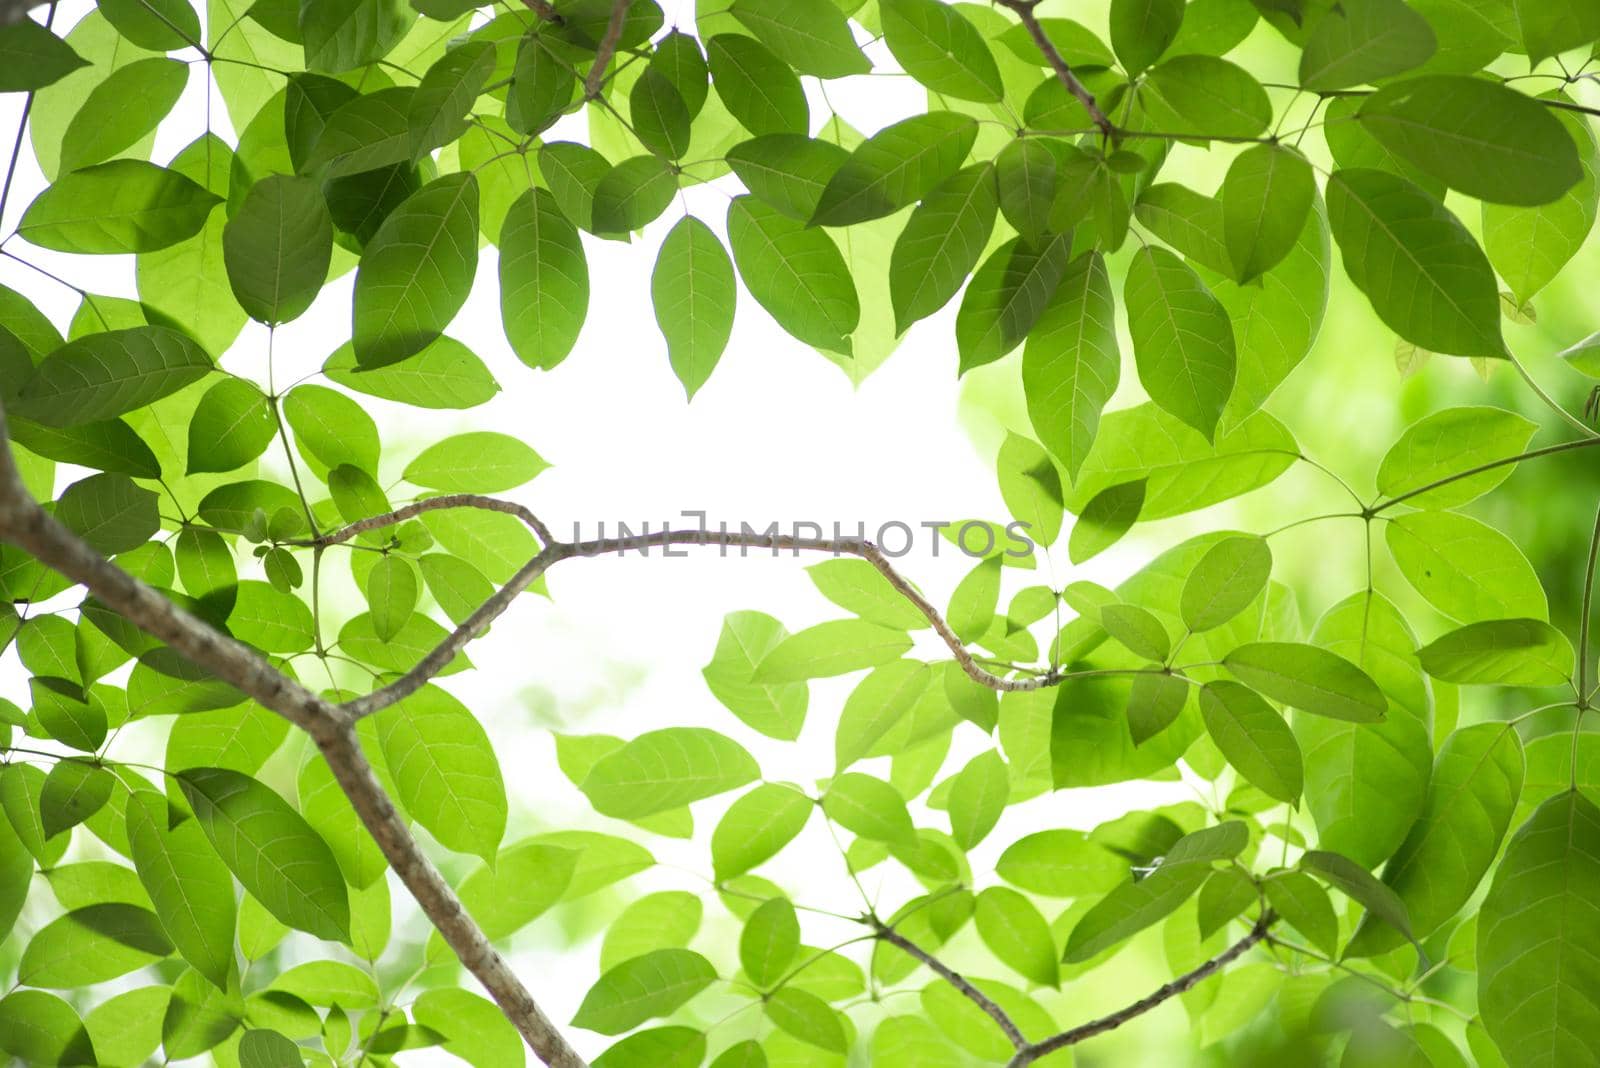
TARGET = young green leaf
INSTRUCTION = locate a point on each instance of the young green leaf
(1025, 171)
(1500, 652)
(282, 862)
(121, 110)
(878, 704)
(796, 273)
(232, 425)
(1310, 679)
(1141, 30)
(91, 945)
(1154, 702)
(1007, 296)
(1445, 443)
(1253, 737)
(788, 171)
(1479, 137)
(1230, 576)
(439, 108)
(277, 247)
(479, 461)
(544, 280)
(811, 36)
(189, 886)
(1138, 630)
(341, 35)
(1304, 904)
(935, 44)
(692, 291)
(1265, 200)
(1361, 41)
(1535, 995)
(896, 166)
(1182, 339)
(1205, 97)
(1132, 907)
(1105, 519)
(72, 792)
(768, 944)
(869, 808)
(125, 205)
(104, 375)
(443, 375)
(416, 271)
(659, 114)
(835, 648)
(1070, 366)
(777, 710)
(757, 87)
(808, 1018)
(1358, 884)
(655, 984)
(1014, 931)
(664, 769)
(1528, 246)
(941, 243)
(1425, 276)
(756, 827)
(978, 795)
(1466, 569)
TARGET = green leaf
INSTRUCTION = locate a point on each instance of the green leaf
(811, 36)
(1310, 679)
(1070, 365)
(341, 35)
(110, 512)
(1105, 519)
(32, 57)
(445, 772)
(1061, 863)
(1030, 487)
(416, 271)
(632, 194)
(1131, 907)
(794, 272)
(835, 648)
(108, 444)
(637, 990)
(282, 862)
(1007, 296)
(1466, 569)
(391, 590)
(692, 291)
(1014, 931)
(807, 1017)
(121, 110)
(92, 945)
(67, 714)
(42, 1029)
(788, 171)
(939, 47)
(1141, 30)
(941, 243)
(102, 376)
(666, 1047)
(769, 942)
(1448, 442)
(1230, 576)
(1253, 737)
(544, 280)
(1425, 275)
(878, 704)
(1479, 137)
(1529, 246)
(1266, 198)
(362, 134)
(1138, 630)
(659, 114)
(667, 919)
(757, 87)
(896, 166)
(1536, 992)
(776, 710)
(527, 879)
(475, 1028)
(756, 827)
(125, 205)
(232, 425)
(444, 98)
(972, 605)
(542, 85)
(277, 246)
(1224, 897)
(978, 795)
(1361, 41)
(480, 461)
(189, 886)
(443, 375)
(330, 429)
(1500, 652)
(1205, 97)
(1154, 702)
(1025, 171)
(664, 769)
(1471, 796)
(1182, 339)
(73, 791)
(869, 808)
(1357, 883)
(267, 1049)
(1302, 901)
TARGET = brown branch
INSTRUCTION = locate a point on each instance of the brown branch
(555, 551)
(607, 49)
(1024, 11)
(977, 997)
(1110, 1022)
(431, 504)
(545, 12)
(24, 523)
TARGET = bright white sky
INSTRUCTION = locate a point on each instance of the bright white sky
(778, 433)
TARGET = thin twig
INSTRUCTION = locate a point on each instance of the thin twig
(1583, 428)
(1028, 1054)
(432, 504)
(24, 523)
(607, 49)
(1564, 446)
(1583, 618)
(1024, 11)
(973, 994)
(545, 12)
(8, 18)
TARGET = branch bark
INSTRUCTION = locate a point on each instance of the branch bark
(1110, 1022)
(25, 524)
(1024, 11)
(888, 934)
(607, 49)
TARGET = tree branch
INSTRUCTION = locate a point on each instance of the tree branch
(556, 551)
(607, 49)
(545, 12)
(432, 504)
(1030, 1053)
(1532, 454)
(1024, 11)
(977, 997)
(24, 523)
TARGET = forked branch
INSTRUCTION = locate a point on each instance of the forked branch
(1024, 11)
